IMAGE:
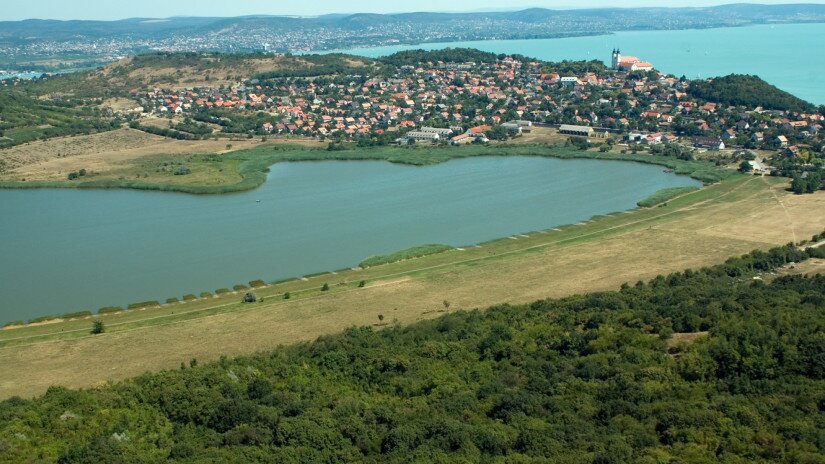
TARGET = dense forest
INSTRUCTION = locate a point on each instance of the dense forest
(596, 378)
(745, 90)
(446, 55)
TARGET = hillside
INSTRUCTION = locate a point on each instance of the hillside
(181, 70)
(24, 119)
(691, 367)
(745, 90)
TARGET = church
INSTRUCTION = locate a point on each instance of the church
(629, 63)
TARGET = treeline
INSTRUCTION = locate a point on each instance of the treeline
(166, 132)
(575, 68)
(807, 182)
(745, 90)
(446, 55)
(699, 366)
(320, 65)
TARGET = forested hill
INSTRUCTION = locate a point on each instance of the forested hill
(750, 91)
(599, 378)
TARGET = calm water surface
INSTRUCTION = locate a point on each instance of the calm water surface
(789, 56)
(67, 250)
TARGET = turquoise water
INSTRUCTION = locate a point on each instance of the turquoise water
(69, 250)
(789, 56)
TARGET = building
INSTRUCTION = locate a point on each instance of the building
(709, 143)
(569, 81)
(461, 139)
(420, 136)
(629, 63)
(577, 131)
(442, 132)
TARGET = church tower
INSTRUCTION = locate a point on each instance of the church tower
(617, 57)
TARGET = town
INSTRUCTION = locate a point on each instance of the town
(463, 102)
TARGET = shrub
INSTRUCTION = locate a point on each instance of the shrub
(240, 287)
(362, 284)
(42, 319)
(143, 304)
(172, 300)
(325, 288)
(257, 283)
(189, 297)
(97, 328)
(182, 171)
(250, 297)
(222, 291)
(206, 295)
(77, 314)
(286, 296)
(409, 253)
(110, 310)
(14, 323)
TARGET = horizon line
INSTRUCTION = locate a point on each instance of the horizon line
(482, 11)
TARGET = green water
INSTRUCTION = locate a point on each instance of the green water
(789, 56)
(68, 250)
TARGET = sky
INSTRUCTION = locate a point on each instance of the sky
(118, 9)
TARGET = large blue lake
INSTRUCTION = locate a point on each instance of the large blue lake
(789, 56)
(67, 250)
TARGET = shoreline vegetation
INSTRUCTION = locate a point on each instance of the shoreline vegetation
(252, 165)
(408, 253)
(664, 195)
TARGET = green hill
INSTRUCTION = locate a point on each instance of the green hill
(598, 378)
(745, 90)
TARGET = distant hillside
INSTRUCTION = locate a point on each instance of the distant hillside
(745, 90)
(513, 23)
(176, 70)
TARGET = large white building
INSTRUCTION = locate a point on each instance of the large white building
(629, 63)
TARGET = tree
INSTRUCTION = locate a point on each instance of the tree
(325, 288)
(98, 327)
(250, 297)
(745, 166)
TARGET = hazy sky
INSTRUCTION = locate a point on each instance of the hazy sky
(118, 9)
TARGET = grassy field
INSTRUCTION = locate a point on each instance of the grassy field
(233, 170)
(693, 230)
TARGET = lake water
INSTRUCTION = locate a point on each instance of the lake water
(789, 56)
(67, 250)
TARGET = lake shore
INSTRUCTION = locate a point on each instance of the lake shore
(245, 170)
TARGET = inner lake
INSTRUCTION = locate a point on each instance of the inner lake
(71, 250)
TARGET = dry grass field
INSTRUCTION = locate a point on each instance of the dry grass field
(695, 230)
(201, 72)
(106, 154)
(123, 153)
